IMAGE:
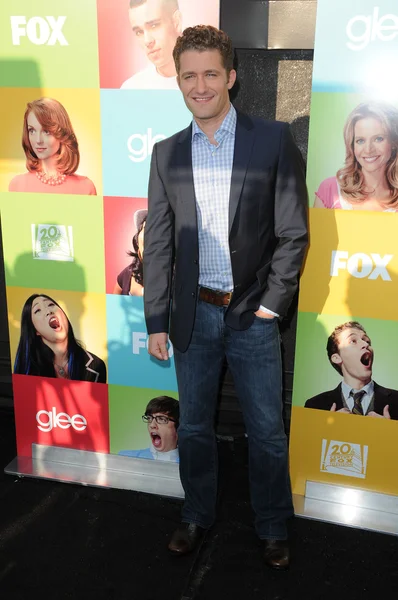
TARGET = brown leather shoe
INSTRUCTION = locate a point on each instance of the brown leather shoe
(185, 539)
(276, 554)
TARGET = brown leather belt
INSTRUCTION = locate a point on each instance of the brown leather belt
(217, 297)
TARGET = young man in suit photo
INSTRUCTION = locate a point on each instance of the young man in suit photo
(350, 352)
(225, 238)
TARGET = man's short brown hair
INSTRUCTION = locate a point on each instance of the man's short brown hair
(201, 38)
(332, 347)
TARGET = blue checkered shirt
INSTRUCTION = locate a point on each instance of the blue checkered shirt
(212, 170)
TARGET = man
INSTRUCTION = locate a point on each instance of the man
(351, 354)
(224, 242)
(156, 25)
(161, 416)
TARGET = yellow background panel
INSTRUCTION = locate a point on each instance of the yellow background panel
(352, 232)
(83, 108)
(85, 311)
(310, 427)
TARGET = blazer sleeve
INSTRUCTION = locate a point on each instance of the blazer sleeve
(158, 252)
(290, 226)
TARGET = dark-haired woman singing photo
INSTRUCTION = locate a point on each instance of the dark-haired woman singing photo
(48, 347)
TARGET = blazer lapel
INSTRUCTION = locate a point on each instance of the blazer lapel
(380, 398)
(244, 138)
(186, 190)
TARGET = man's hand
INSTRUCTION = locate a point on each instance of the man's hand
(157, 346)
(342, 410)
(264, 315)
(385, 415)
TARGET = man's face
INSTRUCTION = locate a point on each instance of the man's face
(204, 83)
(355, 354)
(156, 28)
(163, 437)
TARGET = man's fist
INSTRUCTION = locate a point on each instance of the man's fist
(157, 346)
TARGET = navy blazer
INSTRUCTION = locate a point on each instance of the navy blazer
(382, 397)
(267, 228)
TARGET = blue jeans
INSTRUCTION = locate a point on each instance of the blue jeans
(254, 359)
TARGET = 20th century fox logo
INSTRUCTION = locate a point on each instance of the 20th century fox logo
(344, 458)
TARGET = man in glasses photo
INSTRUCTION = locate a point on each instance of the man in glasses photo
(161, 416)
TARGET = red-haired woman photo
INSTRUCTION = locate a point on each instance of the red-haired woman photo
(52, 152)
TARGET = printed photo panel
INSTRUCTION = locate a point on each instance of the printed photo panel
(136, 39)
(62, 129)
(352, 264)
(132, 123)
(124, 238)
(334, 448)
(56, 412)
(333, 350)
(357, 141)
(356, 45)
(49, 43)
(130, 436)
(71, 324)
(53, 241)
(128, 358)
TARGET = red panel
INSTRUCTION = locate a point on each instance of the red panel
(55, 412)
(119, 231)
(119, 57)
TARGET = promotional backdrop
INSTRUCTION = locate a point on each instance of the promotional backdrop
(73, 258)
(351, 271)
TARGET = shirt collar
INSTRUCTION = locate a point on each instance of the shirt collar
(368, 389)
(169, 456)
(228, 125)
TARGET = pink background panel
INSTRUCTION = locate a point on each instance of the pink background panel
(119, 54)
(119, 231)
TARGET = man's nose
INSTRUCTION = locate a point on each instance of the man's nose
(148, 37)
(201, 85)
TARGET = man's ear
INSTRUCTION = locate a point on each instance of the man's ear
(177, 20)
(231, 79)
(336, 359)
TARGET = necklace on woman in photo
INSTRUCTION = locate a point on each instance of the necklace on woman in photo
(61, 369)
(57, 179)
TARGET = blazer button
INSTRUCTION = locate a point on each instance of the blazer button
(193, 294)
(195, 262)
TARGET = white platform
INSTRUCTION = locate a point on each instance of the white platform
(323, 502)
(101, 470)
(348, 506)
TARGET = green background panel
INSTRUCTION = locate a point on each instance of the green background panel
(326, 148)
(126, 407)
(83, 213)
(31, 65)
(313, 372)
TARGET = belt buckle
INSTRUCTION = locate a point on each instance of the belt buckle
(224, 295)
